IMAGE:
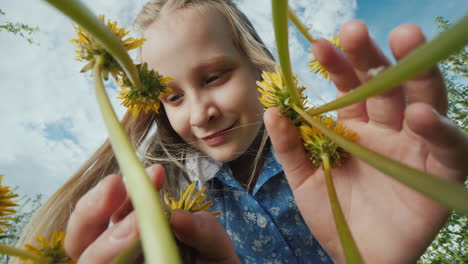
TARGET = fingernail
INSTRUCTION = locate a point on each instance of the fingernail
(436, 113)
(151, 171)
(95, 196)
(96, 187)
(124, 229)
(198, 221)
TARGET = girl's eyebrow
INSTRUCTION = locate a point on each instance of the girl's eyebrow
(214, 61)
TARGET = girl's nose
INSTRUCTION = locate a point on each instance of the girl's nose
(202, 113)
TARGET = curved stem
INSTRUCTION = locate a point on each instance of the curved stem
(81, 14)
(280, 23)
(12, 251)
(448, 193)
(303, 29)
(419, 61)
(129, 254)
(350, 248)
(158, 242)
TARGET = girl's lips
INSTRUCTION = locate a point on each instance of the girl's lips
(218, 133)
(217, 138)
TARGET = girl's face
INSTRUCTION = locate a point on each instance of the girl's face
(214, 105)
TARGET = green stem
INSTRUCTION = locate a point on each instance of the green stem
(129, 254)
(448, 193)
(81, 14)
(303, 29)
(350, 248)
(158, 242)
(419, 61)
(12, 251)
(280, 23)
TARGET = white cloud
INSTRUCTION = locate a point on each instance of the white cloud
(324, 17)
(43, 88)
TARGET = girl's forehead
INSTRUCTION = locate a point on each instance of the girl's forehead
(187, 36)
(189, 19)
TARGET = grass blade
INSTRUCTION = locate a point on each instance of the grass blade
(419, 61)
(448, 193)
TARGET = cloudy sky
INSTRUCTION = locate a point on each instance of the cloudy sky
(49, 120)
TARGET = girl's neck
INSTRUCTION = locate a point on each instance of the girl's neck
(242, 167)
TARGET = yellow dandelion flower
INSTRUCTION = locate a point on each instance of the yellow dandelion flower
(148, 98)
(316, 67)
(275, 94)
(190, 200)
(6, 205)
(316, 143)
(87, 48)
(52, 249)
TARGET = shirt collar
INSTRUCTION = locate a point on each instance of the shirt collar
(202, 168)
(271, 168)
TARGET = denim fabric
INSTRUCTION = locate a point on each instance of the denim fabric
(265, 226)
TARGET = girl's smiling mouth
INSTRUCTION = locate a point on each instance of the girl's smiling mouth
(217, 138)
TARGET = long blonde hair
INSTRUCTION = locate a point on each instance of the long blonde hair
(163, 146)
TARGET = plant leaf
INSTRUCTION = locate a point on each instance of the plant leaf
(448, 193)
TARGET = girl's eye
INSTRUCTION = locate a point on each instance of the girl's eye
(173, 98)
(212, 79)
(216, 78)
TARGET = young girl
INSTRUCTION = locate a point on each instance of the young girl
(273, 203)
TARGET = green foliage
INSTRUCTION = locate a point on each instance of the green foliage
(27, 207)
(455, 70)
(451, 244)
(18, 29)
(458, 103)
(458, 62)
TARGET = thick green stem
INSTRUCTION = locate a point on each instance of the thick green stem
(12, 251)
(81, 14)
(303, 29)
(448, 193)
(350, 248)
(419, 61)
(128, 255)
(280, 23)
(158, 242)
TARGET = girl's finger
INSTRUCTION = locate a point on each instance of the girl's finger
(157, 175)
(385, 109)
(428, 87)
(289, 149)
(202, 232)
(91, 215)
(360, 49)
(112, 242)
(447, 145)
(343, 76)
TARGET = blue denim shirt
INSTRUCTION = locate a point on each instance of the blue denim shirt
(265, 226)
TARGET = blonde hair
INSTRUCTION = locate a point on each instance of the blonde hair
(164, 146)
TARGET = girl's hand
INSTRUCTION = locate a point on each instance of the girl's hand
(90, 239)
(202, 232)
(390, 222)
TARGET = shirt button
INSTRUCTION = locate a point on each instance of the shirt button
(261, 221)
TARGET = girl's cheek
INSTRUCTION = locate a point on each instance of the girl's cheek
(180, 121)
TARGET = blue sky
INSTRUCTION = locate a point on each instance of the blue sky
(50, 121)
(384, 15)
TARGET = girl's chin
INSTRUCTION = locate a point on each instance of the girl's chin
(223, 158)
(223, 155)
